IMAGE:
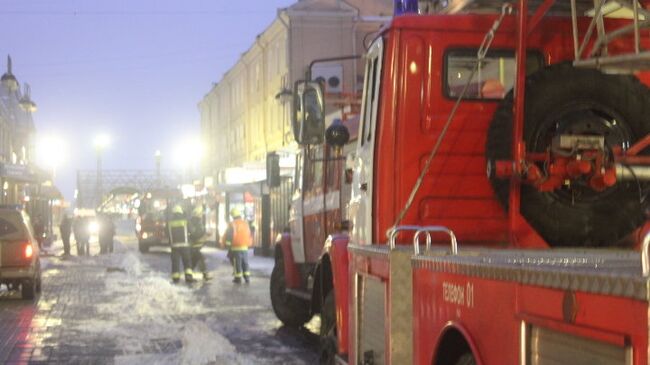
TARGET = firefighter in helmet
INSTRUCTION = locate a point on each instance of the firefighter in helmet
(237, 239)
(197, 239)
(179, 240)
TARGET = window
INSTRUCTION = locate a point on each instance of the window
(9, 230)
(298, 178)
(371, 96)
(493, 80)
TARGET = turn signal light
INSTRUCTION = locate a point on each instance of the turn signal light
(29, 251)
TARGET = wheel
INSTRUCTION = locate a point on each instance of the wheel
(565, 100)
(466, 359)
(28, 289)
(328, 315)
(292, 311)
(144, 248)
(328, 341)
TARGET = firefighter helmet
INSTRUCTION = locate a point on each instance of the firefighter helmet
(234, 212)
(177, 209)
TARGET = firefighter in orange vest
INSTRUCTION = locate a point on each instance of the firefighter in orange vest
(237, 239)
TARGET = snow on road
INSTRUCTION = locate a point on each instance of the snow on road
(146, 313)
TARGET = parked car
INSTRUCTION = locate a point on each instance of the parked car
(19, 253)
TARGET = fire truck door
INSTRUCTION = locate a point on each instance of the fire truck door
(362, 189)
(296, 213)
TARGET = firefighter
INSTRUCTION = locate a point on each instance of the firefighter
(39, 230)
(81, 234)
(197, 239)
(237, 240)
(179, 240)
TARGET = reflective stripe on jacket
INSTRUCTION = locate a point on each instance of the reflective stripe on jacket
(241, 235)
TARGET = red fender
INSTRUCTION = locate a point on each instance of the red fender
(291, 274)
(338, 251)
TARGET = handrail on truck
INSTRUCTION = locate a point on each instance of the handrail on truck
(645, 256)
(419, 230)
(428, 230)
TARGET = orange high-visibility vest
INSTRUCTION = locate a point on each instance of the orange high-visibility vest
(241, 235)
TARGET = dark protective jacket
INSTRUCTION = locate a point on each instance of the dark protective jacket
(178, 230)
(196, 231)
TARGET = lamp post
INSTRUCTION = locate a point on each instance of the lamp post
(101, 142)
(284, 97)
(157, 155)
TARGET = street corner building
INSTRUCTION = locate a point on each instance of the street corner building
(22, 183)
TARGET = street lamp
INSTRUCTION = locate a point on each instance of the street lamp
(50, 153)
(100, 142)
(157, 156)
(284, 97)
(189, 154)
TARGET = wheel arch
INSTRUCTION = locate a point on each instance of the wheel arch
(453, 342)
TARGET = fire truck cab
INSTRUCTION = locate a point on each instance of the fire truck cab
(318, 206)
(499, 193)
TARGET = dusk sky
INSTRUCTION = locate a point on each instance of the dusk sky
(135, 70)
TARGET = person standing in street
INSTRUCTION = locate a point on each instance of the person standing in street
(39, 230)
(81, 234)
(177, 225)
(197, 239)
(105, 234)
(65, 228)
(237, 239)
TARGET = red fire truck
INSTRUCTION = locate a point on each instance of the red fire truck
(151, 223)
(540, 258)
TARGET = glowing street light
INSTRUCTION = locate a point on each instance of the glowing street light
(51, 152)
(189, 153)
(101, 141)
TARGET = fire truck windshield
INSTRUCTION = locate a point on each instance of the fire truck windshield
(492, 80)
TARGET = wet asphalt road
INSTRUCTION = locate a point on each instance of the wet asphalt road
(249, 322)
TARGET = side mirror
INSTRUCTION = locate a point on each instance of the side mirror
(308, 117)
(337, 134)
(273, 170)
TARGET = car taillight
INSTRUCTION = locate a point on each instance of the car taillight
(29, 251)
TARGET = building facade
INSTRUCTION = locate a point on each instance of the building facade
(247, 113)
(22, 183)
(17, 133)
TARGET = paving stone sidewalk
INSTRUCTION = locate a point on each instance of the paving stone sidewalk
(43, 331)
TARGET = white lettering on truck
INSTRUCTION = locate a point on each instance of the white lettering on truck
(458, 294)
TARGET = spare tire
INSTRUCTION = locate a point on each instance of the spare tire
(561, 99)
